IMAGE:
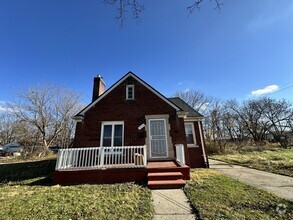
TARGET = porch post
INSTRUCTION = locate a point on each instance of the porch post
(59, 159)
(144, 156)
(102, 156)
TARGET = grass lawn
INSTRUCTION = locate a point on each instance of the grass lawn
(26, 192)
(217, 196)
(276, 161)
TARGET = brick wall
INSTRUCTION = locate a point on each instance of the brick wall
(196, 154)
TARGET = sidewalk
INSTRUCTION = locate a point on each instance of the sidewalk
(171, 204)
(279, 185)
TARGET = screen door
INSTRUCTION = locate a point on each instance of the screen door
(158, 138)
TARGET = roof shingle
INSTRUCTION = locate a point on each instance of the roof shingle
(191, 112)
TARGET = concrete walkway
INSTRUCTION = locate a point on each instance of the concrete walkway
(171, 204)
(279, 185)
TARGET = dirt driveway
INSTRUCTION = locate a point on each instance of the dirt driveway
(279, 185)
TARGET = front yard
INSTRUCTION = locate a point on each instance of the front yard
(216, 196)
(26, 192)
(278, 161)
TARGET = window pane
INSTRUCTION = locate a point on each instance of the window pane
(130, 92)
(188, 129)
(118, 141)
(189, 134)
(107, 131)
(118, 131)
(106, 142)
(107, 135)
(189, 139)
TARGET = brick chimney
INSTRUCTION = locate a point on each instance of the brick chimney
(99, 87)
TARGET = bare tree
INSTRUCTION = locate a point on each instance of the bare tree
(214, 124)
(251, 114)
(196, 5)
(7, 128)
(280, 114)
(46, 108)
(136, 6)
(264, 116)
(66, 135)
(196, 99)
(14, 130)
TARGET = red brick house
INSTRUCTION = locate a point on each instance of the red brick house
(131, 132)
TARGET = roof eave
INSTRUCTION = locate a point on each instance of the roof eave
(78, 118)
(194, 118)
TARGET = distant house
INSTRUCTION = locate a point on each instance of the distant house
(131, 132)
(12, 148)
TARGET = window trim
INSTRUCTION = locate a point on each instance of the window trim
(127, 87)
(193, 133)
(113, 123)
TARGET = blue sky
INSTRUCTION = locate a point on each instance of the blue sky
(241, 52)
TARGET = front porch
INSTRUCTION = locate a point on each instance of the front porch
(116, 165)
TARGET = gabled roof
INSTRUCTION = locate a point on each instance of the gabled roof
(129, 74)
(191, 112)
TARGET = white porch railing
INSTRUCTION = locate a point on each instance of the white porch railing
(101, 158)
(180, 156)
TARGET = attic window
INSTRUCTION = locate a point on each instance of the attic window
(129, 92)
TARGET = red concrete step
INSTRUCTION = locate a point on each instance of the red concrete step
(165, 176)
(166, 184)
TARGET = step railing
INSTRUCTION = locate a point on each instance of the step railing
(88, 158)
(180, 156)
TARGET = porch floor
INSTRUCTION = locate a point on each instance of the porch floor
(162, 164)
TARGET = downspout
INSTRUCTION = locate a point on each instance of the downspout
(202, 145)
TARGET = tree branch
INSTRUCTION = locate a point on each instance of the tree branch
(197, 4)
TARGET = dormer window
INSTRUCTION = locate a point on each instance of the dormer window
(129, 92)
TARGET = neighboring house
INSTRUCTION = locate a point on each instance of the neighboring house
(131, 132)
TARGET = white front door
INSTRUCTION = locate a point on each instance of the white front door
(158, 138)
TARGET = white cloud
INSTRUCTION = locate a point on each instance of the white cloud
(180, 83)
(3, 107)
(266, 90)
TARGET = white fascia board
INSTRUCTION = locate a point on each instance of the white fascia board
(78, 118)
(194, 119)
(181, 114)
(120, 81)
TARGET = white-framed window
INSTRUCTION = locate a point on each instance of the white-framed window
(112, 134)
(129, 92)
(190, 134)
